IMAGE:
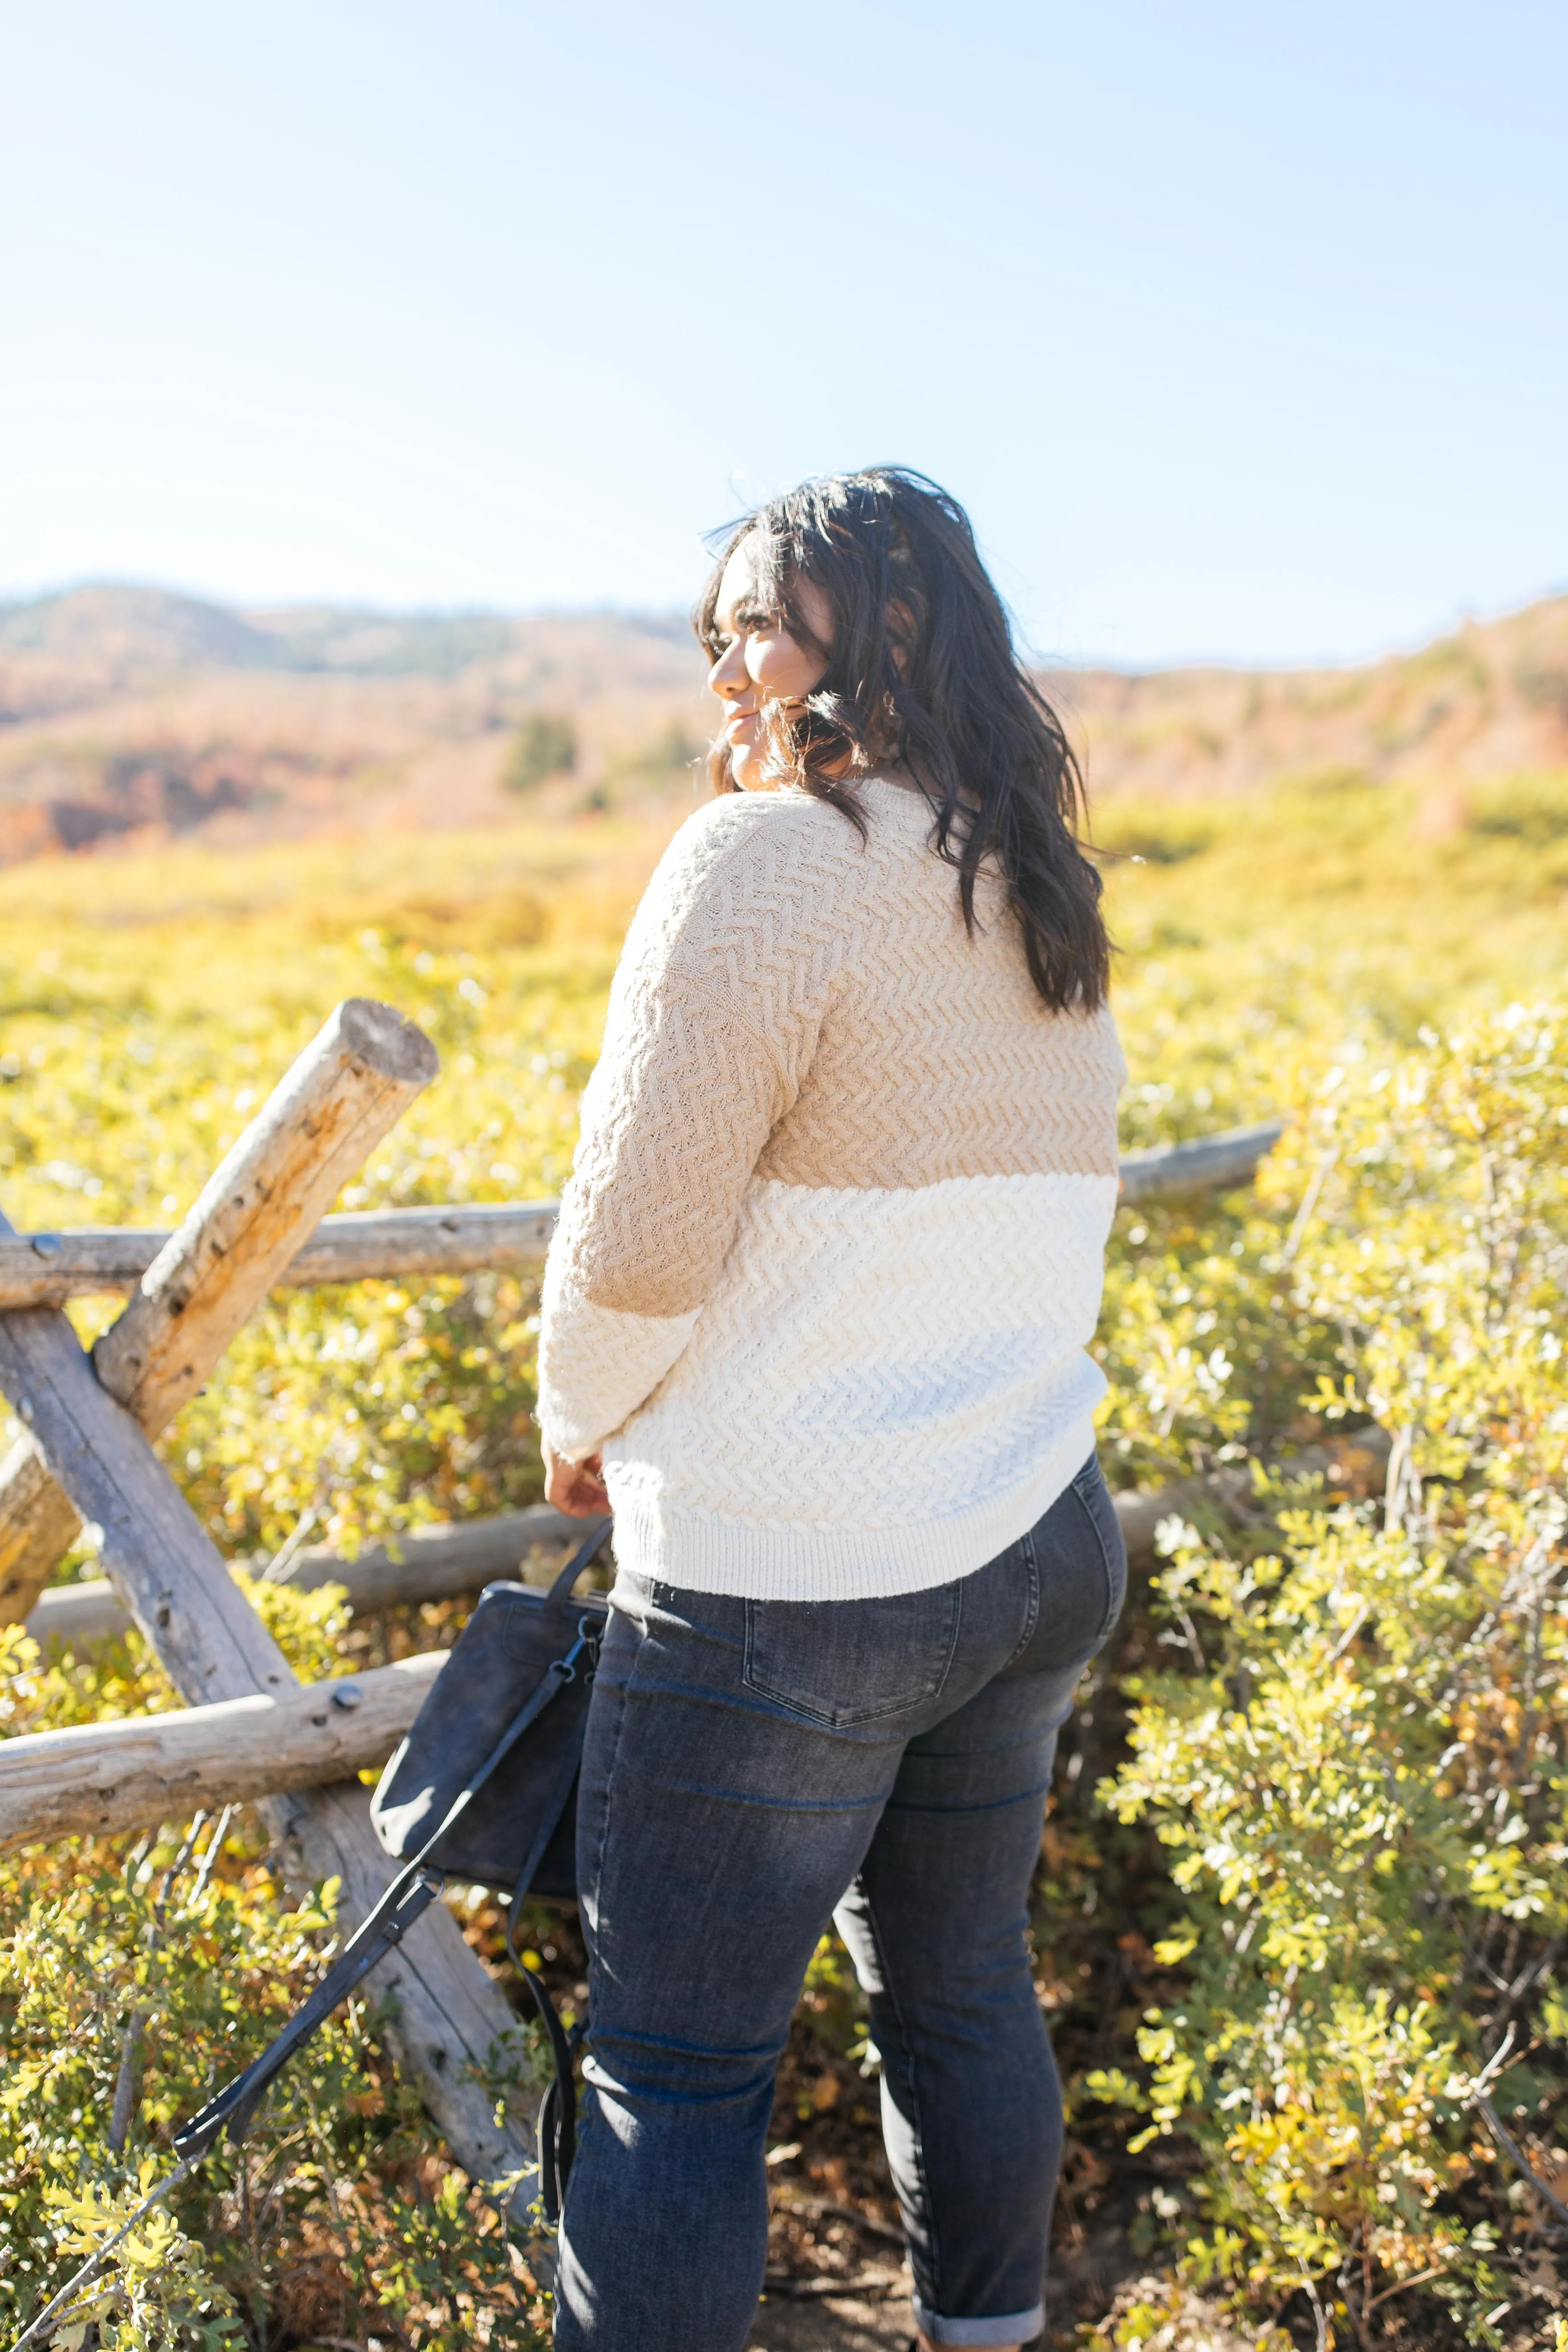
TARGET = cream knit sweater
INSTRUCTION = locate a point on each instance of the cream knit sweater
(831, 1252)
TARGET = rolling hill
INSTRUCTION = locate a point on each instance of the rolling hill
(129, 713)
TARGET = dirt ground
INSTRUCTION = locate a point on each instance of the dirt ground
(837, 2281)
(847, 2322)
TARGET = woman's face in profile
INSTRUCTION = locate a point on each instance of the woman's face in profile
(761, 662)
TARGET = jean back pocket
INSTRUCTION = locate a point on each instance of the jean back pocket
(847, 1662)
(1082, 1561)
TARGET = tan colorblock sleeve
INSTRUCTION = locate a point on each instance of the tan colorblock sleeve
(712, 1020)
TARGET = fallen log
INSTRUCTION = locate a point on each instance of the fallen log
(101, 1779)
(47, 1269)
(433, 1563)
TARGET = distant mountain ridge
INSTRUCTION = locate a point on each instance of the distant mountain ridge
(129, 713)
(126, 629)
(124, 633)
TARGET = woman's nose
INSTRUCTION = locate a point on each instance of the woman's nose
(729, 677)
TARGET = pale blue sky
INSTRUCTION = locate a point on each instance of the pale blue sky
(1242, 329)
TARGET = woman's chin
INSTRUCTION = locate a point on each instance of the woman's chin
(747, 770)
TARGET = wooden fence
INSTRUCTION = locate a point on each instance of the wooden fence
(249, 1730)
(134, 1773)
(46, 1269)
(87, 1456)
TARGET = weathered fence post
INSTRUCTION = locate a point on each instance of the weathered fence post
(36, 1525)
(348, 1087)
(336, 1103)
(317, 1129)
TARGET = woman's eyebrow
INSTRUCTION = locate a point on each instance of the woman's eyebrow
(745, 616)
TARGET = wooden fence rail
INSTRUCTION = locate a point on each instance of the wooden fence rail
(1206, 1164)
(47, 1269)
(102, 1778)
(443, 1562)
(112, 1777)
(432, 1563)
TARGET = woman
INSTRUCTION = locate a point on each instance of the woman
(815, 1320)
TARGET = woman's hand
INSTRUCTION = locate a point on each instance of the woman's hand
(574, 1488)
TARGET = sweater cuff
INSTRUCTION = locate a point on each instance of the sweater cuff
(597, 1366)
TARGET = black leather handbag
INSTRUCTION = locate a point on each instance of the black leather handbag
(484, 1787)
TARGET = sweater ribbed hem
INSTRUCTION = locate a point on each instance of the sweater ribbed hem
(703, 1551)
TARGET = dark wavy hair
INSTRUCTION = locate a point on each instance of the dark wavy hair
(921, 671)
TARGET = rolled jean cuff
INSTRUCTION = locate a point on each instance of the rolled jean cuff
(1013, 2327)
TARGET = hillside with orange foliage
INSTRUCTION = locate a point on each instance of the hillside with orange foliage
(129, 716)
(1491, 701)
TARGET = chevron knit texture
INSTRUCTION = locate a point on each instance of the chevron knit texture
(830, 1256)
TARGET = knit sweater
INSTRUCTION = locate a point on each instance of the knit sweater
(831, 1252)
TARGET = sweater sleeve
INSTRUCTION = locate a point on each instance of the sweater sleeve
(712, 1020)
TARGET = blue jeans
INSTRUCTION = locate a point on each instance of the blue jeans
(747, 1761)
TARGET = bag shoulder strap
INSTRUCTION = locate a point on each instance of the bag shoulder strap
(586, 1553)
(412, 1891)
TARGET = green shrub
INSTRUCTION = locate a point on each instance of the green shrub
(544, 746)
(1532, 809)
(1359, 1770)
